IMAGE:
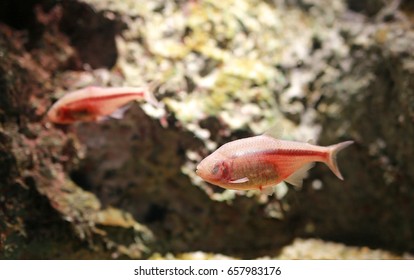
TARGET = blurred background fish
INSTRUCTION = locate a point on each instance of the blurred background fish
(95, 103)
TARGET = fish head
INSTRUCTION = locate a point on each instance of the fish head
(214, 169)
(54, 114)
(60, 115)
(66, 115)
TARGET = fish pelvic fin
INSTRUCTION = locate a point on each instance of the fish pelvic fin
(267, 190)
(279, 190)
(333, 151)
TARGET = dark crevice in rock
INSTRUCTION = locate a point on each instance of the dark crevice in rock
(368, 7)
(21, 15)
(91, 33)
(155, 213)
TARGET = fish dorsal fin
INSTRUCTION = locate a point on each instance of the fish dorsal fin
(239, 181)
(275, 131)
(296, 178)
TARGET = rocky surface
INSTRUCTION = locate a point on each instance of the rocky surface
(221, 70)
(316, 249)
(302, 249)
(375, 93)
(43, 213)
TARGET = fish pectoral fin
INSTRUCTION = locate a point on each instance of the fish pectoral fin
(239, 181)
(296, 178)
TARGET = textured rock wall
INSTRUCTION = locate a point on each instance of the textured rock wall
(126, 188)
(43, 214)
(375, 96)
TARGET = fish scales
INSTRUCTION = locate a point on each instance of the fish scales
(95, 103)
(262, 161)
(100, 105)
(258, 171)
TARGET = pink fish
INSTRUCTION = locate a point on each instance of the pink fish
(94, 103)
(263, 161)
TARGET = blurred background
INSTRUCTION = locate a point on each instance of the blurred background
(222, 70)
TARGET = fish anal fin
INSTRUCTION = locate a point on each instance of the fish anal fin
(119, 113)
(296, 178)
(275, 131)
(239, 181)
(280, 189)
(101, 119)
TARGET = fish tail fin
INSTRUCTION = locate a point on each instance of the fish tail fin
(333, 151)
(149, 94)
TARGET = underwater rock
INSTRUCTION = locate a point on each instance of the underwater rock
(222, 71)
(43, 214)
(369, 7)
(135, 164)
(372, 102)
(316, 249)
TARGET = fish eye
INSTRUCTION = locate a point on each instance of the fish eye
(224, 169)
(59, 112)
(221, 169)
(215, 169)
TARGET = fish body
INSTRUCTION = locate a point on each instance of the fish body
(93, 103)
(264, 161)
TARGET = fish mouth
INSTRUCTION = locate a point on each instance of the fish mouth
(204, 174)
(198, 171)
